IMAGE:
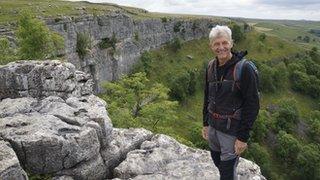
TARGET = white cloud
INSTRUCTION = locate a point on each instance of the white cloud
(265, 9)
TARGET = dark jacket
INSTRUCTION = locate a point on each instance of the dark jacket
(221, 98)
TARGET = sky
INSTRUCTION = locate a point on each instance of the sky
(262, 9)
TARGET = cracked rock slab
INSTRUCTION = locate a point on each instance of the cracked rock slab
(40, 79)
(53, 135)
(123, 141)
(164, 158)
(9, 164)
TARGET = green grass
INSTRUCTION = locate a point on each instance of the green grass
(272, 47)
(10, 10)
(289, 30)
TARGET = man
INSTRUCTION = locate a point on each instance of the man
(230, 107)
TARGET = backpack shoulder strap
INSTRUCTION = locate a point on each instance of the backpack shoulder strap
(237, 71)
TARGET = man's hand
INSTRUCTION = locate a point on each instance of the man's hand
(205, 132)
(239, 147)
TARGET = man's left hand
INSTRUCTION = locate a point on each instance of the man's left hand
(239, 147)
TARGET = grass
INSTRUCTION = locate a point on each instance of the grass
(10, 10)
(289, 30)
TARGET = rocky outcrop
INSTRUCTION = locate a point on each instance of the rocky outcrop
(9, 164)
(42, 79)
(70, 136)
(164, 158)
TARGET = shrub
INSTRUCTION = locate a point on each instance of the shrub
(177, 26)
(7, 53)
(266, 79)
(109, 42)
(83, 44)
(287, 116)
(287, 148)
(176, 44)
(35, 40)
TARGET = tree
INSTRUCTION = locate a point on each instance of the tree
(280, 76)
(266, 79)
(287, 116)
(309, 159)
(237, 33)
(261, 127)
(35, 40)
(287, 148)
(134, 102)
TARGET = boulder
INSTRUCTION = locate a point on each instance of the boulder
(164, 158)
(9, 164)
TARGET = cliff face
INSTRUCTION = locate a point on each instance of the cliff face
(66, 132)
(133, 35)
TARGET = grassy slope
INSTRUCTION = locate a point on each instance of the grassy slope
(290, 30)
(10, 10)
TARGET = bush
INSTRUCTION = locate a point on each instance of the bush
(280, 76)
(183, 85)
(309, 159)
(237, 33)
(266, 79)
(83, 44)
(35, 40)
(287, 149)
(176, 44)
(110, 42)
(300, 81)
(177, 26)
(7, 53)
(261, 127)
(287, 116)
(260, 155)
(197, 139)
(262, 37)
(314, 123)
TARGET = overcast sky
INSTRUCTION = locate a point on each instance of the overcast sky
(265, 9)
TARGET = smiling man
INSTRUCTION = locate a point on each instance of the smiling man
(231, 104)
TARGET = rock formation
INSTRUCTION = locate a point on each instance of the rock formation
(56, 126)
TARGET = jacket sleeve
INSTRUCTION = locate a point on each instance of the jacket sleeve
(251, 105)
(205, 101)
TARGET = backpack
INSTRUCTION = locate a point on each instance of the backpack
(237, 71)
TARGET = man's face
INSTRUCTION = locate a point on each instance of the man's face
(221, 46)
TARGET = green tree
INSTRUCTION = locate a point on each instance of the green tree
(287, 116)
(133, 102)
(308, 162)
(237, 33)
(261, 127)
(314, 122)
(260, 155)
(280, 76)
(287, 148)
(35, 40)
(266, 79)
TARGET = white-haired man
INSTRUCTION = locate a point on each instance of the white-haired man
(230, 107)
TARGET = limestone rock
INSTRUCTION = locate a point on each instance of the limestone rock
(53, 135)
(165, 158)
(43, 78)
(9, 164)
(123, 141)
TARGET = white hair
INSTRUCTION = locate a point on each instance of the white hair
(220, 31)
